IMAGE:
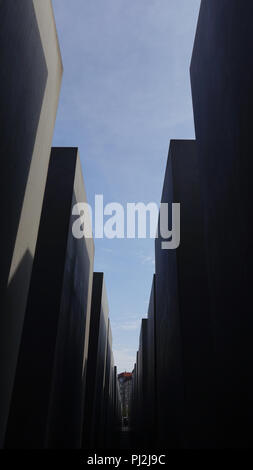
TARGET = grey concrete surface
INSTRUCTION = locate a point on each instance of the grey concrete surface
(183, 326)
(47, 401)
(96, 366)
(221, 77)
(30, 78)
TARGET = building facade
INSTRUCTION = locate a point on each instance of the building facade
(125, 383)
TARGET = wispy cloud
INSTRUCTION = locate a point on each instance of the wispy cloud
(146, 259)
(130, 325)
(125, 94)
(125, 359)
(107, 250)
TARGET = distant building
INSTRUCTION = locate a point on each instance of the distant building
(125, 382)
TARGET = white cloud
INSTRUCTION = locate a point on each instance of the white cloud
(107, 250)
(146, 259)
(125, 93)
(124, 359)
(131, 325)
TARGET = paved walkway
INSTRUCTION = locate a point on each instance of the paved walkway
(126, 438)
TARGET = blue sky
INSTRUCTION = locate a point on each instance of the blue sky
(125, 94)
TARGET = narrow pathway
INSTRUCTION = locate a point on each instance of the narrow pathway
(126, 438)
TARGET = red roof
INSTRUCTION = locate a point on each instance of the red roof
(125, 374)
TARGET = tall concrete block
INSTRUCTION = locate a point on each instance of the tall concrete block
(183, 331)
(103, 429)
(108, 393)
(117, 406)
(133, 400)
(143, 413)
(137, 416)
(221, 76)
(47, 401)
(96, 366)
(30, 78)
(151, 368)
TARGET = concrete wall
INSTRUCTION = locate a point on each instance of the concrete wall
(142, 374)
(152, 368)
(73, 334)
(96, 366)
(102, 410)
(108, 423)
(117, 406)
(183, 327)
(47, 401)
(221, 76)
(30, 79)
